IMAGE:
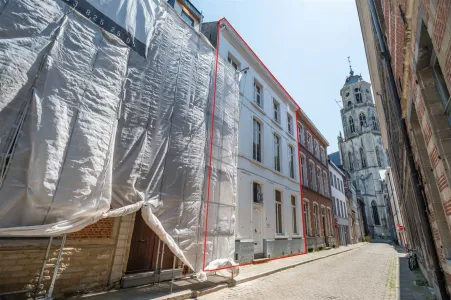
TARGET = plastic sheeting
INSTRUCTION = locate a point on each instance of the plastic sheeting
(91, 127)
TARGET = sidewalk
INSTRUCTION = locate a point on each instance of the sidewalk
(191, 288)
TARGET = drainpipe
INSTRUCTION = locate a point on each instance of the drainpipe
(419, 200)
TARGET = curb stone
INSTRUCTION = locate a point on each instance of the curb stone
(193, 294)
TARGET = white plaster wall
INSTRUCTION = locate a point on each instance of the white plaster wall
(263, 173)
(339, 196)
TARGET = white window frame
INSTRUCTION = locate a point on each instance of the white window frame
(294, 215)
(233, 61)
(315, 148)
(308, 227)
(309, 142)
(276, 112)
(312, 173)
(277, 152)
(325, 184)
(258, 93)
(301, 134)
(279, 208)
(259, 145)
(329, 216)
(259, 195)
(319, 180)
(322, 214)
(290, 124)
(291, 162)
(304, 170)
(316, 218)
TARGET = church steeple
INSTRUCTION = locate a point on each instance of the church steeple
(351, 72)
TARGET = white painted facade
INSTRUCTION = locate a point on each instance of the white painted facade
(256, 222)
(362, 153)
(339, 203)
(394, 204)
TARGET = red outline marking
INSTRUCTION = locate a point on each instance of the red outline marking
(211, 149)
(211, 157)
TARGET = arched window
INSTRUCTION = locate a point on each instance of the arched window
(349, 103)
(362, 119)
(354, 183)
(351, 164)
(351, 124)
(358, 95)
(375, 127)
(378, 157)
(375, 213)
(362, 157)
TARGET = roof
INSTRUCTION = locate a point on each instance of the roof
(331, 163)
(246, 46)
(352, 78)
(335, 158)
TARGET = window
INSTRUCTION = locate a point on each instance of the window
(257, 192)
(375, 126)
(349, 103)
(322, 155)
(276, 107)
(258, 94)
(335, 181)
(334, 205)
(301, 134)
(276, 152)
(442, 90)
(323, 219)
(187, 18)
(315, 148)
(319, 180)
(329, 216)
(342, 187)
(316, 218)
(278, 212)
(309, 142)
(378, 158)
(325, 184)
(351, 125)
(307, 218)
(312, 178)
(358, 95)
(341, 209)
(351, 163)
(375, 213)
(304, 170)
(293, 214)
(362, 119)
(257, 141)
(290, 124)
(362, 157)
(231, 60)
(291, 160)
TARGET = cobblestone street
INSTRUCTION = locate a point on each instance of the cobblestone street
(365, 273)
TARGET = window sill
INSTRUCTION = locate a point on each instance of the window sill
(257, 203)
(277, 123)
(258, 107)
(297, 236)
(281, 236)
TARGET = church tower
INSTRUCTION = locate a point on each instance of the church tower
(362, 152)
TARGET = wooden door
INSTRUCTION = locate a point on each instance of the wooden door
(144, 249)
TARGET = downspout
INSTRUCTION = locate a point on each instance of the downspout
(418, 197)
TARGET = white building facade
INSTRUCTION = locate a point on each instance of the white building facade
(340, 206)
(362, 153)
(269, 209)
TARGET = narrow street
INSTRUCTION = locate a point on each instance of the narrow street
(365, 273)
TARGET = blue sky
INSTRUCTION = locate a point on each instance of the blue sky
(305, 44)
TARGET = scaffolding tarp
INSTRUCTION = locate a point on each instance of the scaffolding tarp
(108, 107)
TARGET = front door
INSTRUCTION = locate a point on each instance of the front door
(257, 229)
(144, 249)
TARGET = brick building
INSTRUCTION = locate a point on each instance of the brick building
(316, 193)
(408, 48)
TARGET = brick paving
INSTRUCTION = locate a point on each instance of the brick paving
(368, 272)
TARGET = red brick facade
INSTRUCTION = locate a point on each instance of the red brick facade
(103, 229)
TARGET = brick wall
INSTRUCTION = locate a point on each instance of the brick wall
(93, 259)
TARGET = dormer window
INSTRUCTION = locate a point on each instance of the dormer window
(349, 103)
(233, 61)
(187, 18)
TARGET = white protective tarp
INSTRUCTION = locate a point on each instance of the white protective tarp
(100, 122)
